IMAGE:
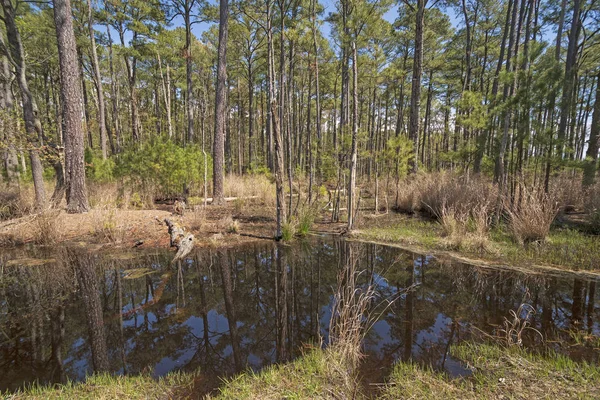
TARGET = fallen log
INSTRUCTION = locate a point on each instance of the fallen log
(179, 238)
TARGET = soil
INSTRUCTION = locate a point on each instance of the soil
(143, 228)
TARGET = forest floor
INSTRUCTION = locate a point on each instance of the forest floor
(225, 225)
(493, 372)
(567, 248)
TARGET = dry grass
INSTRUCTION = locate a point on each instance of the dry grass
(196, 218)
(568, 192)
(516, 325)
(107, 227)
(530, 218)
(432, 194)
(104, 196)
(256, 186)
(228, 224)
(45, 228)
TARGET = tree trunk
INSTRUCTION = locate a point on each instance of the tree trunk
(278, 165)
(566, 103)
(415, 95)
(353, 154)
(33, 127)
(188, 72)
(71, 99)
(97, 82)
(113, 93)
(591, 156)
(319, 175)
(221, 93)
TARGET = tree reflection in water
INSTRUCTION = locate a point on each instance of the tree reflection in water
(227, 309)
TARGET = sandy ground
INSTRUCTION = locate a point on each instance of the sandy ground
(128, 228)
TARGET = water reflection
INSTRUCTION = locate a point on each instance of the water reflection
(224, 310)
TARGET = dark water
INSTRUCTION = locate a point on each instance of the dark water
(246, 307)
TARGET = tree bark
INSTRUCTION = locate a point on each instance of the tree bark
(415, 95)
(591, 156)
(97, 82)
(353, 154)
(71, 98)
(220, 100)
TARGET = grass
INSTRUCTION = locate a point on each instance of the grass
(318, 374)
(498, 372)
(564, 248)
(104, 386)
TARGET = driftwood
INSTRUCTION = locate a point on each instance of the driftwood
(179, 238)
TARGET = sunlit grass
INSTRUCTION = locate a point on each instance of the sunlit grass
(498, 372)
(318, 374)
(104, 386)
(564, 248)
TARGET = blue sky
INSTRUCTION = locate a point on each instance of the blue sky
(329, 5)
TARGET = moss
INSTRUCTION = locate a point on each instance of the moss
(498, 373)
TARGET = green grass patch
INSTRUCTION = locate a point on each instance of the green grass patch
(564, 248)
(316, 375)
(104, 386)
(510, 373)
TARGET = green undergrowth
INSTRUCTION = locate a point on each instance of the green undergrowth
(498, 373)
(564, 248)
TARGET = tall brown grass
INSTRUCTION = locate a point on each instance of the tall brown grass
(530, 218)
(567, 191)
(439, 191)
(253, 187)
(45, 228)
(107, 227)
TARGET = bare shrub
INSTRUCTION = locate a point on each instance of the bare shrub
(531, 217)
(45, 228)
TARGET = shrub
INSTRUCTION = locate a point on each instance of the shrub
(306, 219)
(97, 169)
(288, 230)
(162, 166)
(531, 218)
